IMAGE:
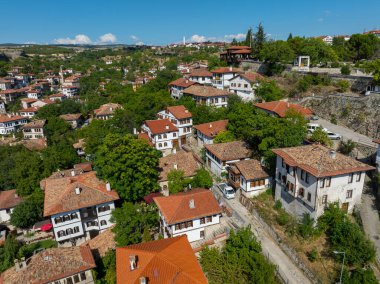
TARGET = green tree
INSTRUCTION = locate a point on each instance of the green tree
(109, 261)
(56, 129)
(177, 181)
(277, 52)
(249, 37)
(290, 36)
(269, 91)
(374, 68)
(30, 211)
(320, 136)
(363, 46)
(131, 221)
(8, 253)
(345, 70)
(224, 136)
(259, 40)
(129, 164)
(202, 179)
(347, 147)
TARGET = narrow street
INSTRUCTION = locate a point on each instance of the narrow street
(285, 266)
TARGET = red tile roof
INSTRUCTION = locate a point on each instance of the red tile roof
(226, 70)
(320, 161)
(9, 199)
(201, 72)
(161, 262)
(28, 100)
(50, 265)
(179, 112)
(211, 129)
(182, 82)
(176, 208)
(5, 118)
(145, 137)
(242, 51)
(107, 109)
(71, 116)
(28, 109)
(229, 151)
(280, 108)
(205, 91)
(60, 195)
(102, 243)
(251, 169)
(35, 124)
(184, 161)
(160, 126)
(252, 77)
(239, 47)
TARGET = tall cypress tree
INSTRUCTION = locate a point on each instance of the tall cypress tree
(259, 40)
(290, 36)
(249, 38)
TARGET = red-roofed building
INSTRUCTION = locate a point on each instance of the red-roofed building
(206, 132)
(34, 94)
(188, 213)
(244, 85)
(181, 118)
(176, 87)
(70, 91)
(9, 199)
(159, 262)
(163, 134)
(11, 123)
(373, 32)
(201, 76)
(221, 77)
(28, 112)
(235, 54)
(280, 108)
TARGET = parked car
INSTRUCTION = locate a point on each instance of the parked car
(228, 191)
(314, 117)
(311, 127)
(333, 136)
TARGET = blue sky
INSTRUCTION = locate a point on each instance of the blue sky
(167, 21)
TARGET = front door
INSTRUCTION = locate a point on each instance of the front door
(345, 207)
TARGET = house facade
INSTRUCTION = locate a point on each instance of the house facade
(70, 91)
(244, 85)
(181, 118)
(74, 119)
(34, 94)
(249, 177)
(11, 123)
(208, 95)
(188, 213)
(310, 177)
(219, 156)
(176, 87)
(34, 129)
(221, 77)
(106, 111)
(78, 204)
(9, 199)
(206, 132)
(201, 76)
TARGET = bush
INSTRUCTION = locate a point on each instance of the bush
(343, 85)
(313, 255)
(333, 119)
(345, 70)
(277, 205)
(283, 218)
(306, 228)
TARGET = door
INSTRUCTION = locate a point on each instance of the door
(345, 207)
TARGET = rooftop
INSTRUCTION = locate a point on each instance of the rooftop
(61, 196)
(162, 261)
(200, 72)
(50, 265)
(9, 199)
(107, 109)
(222, 70)
(182, 82)
(280, 108)
(184, 161)
(176, 207)
(211, 129)
(320, 161)
(235, 150)
(35, 124)
(70, 116)
(251, 77)
(6, 118)
(160, 126)
(179, 112)
(205, 91)
(102, 243)
(251, 169)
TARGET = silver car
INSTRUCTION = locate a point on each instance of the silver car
(228, 191)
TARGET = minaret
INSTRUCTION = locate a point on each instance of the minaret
(184, 41)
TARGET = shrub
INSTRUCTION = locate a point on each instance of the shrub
(343, 85)
(277, 205)
(283, 218)
(306, 228)
(313, 255)
(333, 119)
(345, 70)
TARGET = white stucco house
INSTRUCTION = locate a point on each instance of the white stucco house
(244, 85)
(310, 177)
(78, 204)
(162, 134)
(176, 87)
(221, 77)
(70, 91)
(34, 129)
(201, 76)
(34, 94)
(9, 199)
(206, 132)
(190, 213)
(11, 123)
(219, 156)
(182, 118)
(249, 176)
(208, 95)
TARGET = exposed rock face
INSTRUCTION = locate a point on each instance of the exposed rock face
(362, 114)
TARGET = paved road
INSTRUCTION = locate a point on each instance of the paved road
(346, 133)
(286, 267)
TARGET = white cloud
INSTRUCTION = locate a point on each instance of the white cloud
(236, 36)
(79, 39)
(198, 38)
(139, 43)
(108, 38)
(134, 38)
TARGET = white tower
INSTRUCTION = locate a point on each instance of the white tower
(184, 41)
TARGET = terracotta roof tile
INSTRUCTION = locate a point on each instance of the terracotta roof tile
(211, 129)
(235, 150)
(281, 107)
(182, 82)
(145, 137)
(71, 116)
(51, 265)
(34, 124)
(179, 112)
(28, 109)
(9, 199)
(201, 72)
(239, 47)
(222, 70)
(252, 77)
(251, 169)
(205, 91)
(107, 109)
(102, 243)
(161, 126)
(35, 144)
(185, 162)
(85, 167)
(163, 261)
(60, 193)
(5, 118)
(175, 208)
(319, 160)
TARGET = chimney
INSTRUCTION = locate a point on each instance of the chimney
(108, 186)
(167, 127)
(132, 262)
(288, 105)
(16, 195)
(143, 280)
(210, 125)
(332, 154)
(175, 166)
(111, 109)
(187, 81)
(73, 173)
(78, 190)
(191, 204)
(230, 68)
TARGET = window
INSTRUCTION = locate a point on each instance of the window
(288, 169)
(69, 231)
(328, 181)
(209, 219)
(76, 229)
(174, 134)
(159, 136)
(245, 85)
(350, 178)
(324, 199)
(279, 176)
(159, 145)
(202, 220)
(358, 176)
(309, 197)
(69, 280)
(83, 276)
(349, 193)
(8, 211)
(301, 192)
(282, 163)
(223, 100)
(103, 222)
(307, 178)
(165, 136)
(177, 227)
(165, 144)
(76, 278)
(302, 175)
(322, 183)
(189, 224)
(202, 234)
(74, 216)
(61, 233)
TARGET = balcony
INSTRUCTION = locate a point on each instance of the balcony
(88, 214)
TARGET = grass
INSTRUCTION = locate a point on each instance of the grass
(314, 252)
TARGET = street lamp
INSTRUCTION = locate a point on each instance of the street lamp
(344, 256)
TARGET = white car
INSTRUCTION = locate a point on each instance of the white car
(333, 136)
(228, 191)
(311, 127)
